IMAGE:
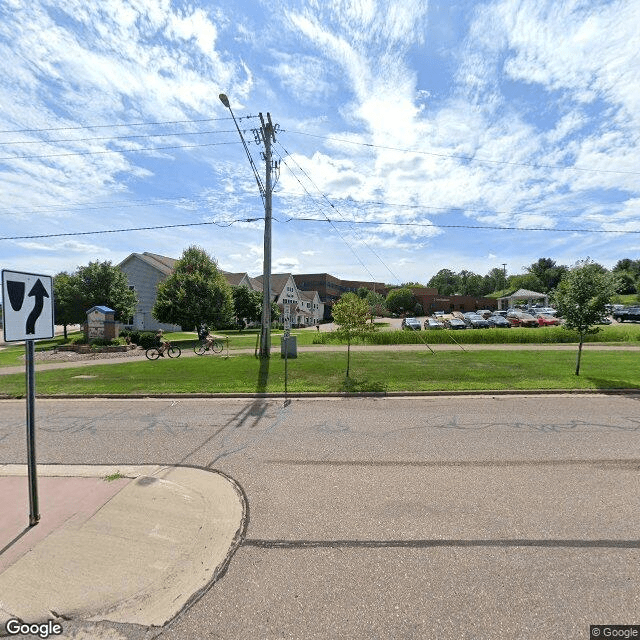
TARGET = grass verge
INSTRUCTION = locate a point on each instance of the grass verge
(325, 372)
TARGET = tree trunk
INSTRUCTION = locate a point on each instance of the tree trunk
(579, 355)
(65, 331)
(348, 356)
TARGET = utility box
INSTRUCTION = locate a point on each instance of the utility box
(289, 346)
(101, 324)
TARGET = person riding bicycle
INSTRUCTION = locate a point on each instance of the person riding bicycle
(205, 336)
(203, 332)
(161, 344)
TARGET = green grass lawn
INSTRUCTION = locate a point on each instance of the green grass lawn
(325, 372)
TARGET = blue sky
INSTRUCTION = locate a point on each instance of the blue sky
(419, 135)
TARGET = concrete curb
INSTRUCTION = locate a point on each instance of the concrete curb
(141, 558)
(331, 394)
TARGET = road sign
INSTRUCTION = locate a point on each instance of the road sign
(27, 306)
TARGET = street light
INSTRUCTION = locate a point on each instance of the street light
(265, 194)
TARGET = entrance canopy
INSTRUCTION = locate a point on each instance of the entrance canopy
(523, 294)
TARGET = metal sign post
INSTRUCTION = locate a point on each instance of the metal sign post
(27, 306)
(287, 329)
(34, 514)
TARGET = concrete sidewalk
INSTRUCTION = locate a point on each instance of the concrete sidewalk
(137, 547)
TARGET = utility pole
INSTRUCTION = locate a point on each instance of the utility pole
(265, 135)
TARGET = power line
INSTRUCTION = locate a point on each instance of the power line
(465, 226)
(112, 138)
(467, 158)
(326, 220)
(91, 153)
(334, 208)
(357, 257)
(104, 231)
(125, 124)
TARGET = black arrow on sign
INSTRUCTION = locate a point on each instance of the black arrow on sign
(40, 293)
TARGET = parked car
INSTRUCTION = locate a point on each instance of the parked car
(433, 323)
(604, 320)
(485, 313)
(411, 323)
(550, 311)
(500, 312)
(454, 323)
(546, 320)
(475, 321)
(627, 313)
(522, 319)
(497, 321)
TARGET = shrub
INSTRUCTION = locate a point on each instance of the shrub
(146, 339)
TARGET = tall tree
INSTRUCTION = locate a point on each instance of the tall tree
(445, 281)
(627, 264)
(469, 283)
(195, 293)
(351, 314)
(547, 272)
(247, 305)
(101, 283)
(67, 304)
(581, 298)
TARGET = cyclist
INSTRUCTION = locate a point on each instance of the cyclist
(162, 344)
(203, 332)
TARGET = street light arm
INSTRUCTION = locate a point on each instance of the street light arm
(225, 102)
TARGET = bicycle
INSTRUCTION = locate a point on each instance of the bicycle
(153, 353)
(203, 346)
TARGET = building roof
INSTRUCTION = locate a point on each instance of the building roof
(161, 263)
(525, 293)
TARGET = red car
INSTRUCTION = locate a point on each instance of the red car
(545, 320)
(521, 319)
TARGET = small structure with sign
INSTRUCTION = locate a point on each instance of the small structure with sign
(101, 324)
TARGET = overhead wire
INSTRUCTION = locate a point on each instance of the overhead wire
(324, 196)
(122, 124)
(327, 219)
(90, 153)
(463, 157)
(114, 138)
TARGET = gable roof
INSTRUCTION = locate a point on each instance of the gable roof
(162, 263)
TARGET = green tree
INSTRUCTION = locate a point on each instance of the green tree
(626, 264)
(351, 314)
(67, 304)
(101, 283)
(247, 305)
(547, 272)
(445, 281)
(495, 280)
(625, 283)
(376, 304)
(469, 284)
(362, 292)
(400, 300)
(581, 298)
(195, 293)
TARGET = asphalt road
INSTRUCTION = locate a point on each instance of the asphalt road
(467, 517)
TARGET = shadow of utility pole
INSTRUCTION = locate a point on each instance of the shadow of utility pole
(263, 376)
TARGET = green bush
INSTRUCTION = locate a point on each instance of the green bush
(146, 339)
(78, 339)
